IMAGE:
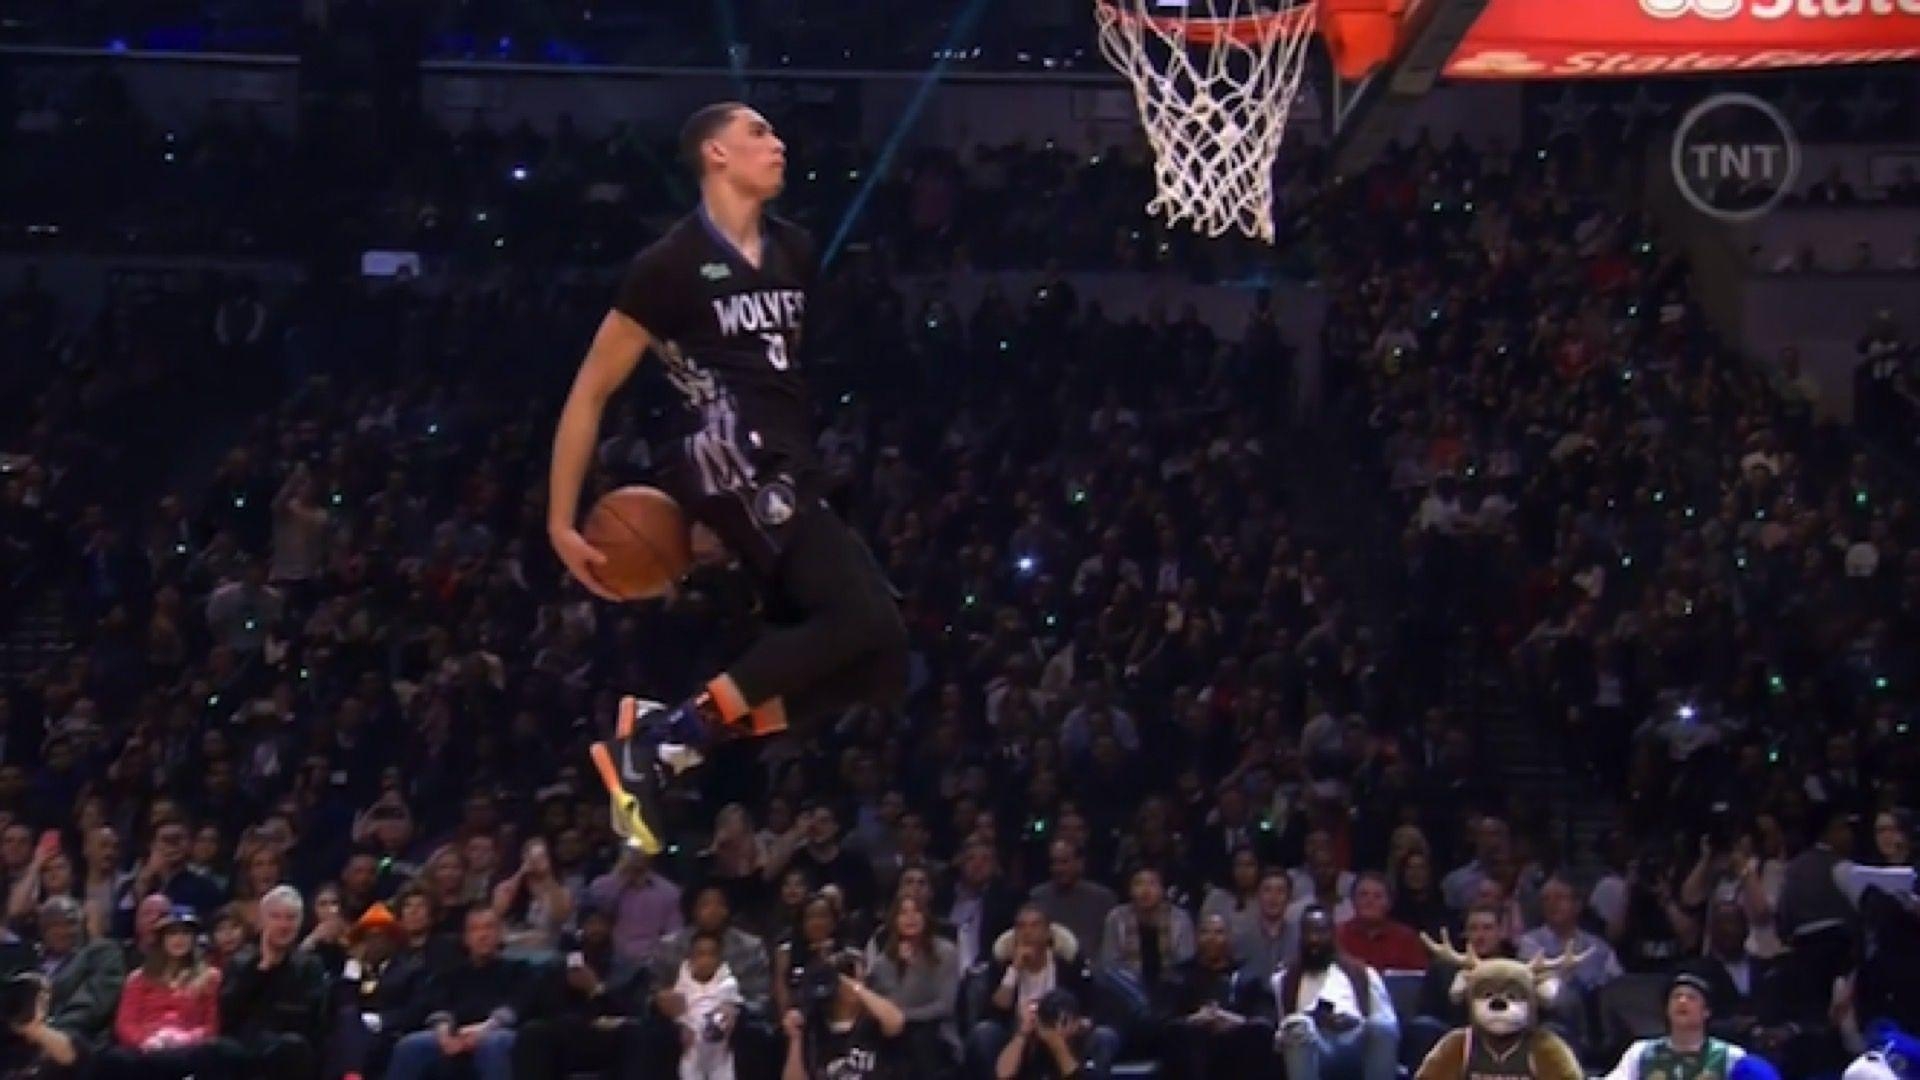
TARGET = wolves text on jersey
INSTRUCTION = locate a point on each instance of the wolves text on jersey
(760, 311)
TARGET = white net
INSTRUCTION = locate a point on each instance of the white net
(1214, 93)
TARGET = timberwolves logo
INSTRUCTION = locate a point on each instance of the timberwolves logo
(773, 505)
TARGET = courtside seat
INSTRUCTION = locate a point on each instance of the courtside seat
(1632, 1007)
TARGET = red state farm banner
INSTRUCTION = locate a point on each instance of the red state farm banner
(1553, 39)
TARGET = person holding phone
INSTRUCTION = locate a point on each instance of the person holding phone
(48, 875)
(844, 1036)
(1050, 1044)
(1337, 1018)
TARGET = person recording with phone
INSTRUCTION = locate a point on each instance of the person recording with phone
(50, 874)
(840, 1027)
(1031, 960)
(1052, 1043)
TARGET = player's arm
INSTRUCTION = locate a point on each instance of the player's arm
(616, 350)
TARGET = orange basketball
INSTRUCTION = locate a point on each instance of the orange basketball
(643, 534)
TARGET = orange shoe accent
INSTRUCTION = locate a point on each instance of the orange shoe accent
(727, 700)
(624, 718)
(769, 718)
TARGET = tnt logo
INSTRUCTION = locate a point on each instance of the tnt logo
(1706, 9)
(1735, 157)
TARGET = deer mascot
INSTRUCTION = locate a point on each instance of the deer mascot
(1504, 1038)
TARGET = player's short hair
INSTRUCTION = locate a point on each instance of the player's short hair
(704, 124)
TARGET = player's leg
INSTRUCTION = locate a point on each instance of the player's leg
(845, 644)
(844, 619)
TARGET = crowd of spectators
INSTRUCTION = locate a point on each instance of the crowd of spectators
(84, 171)
(309, 796)
(1046, 35)
(1702, 583)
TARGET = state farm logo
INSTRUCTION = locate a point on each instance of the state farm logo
(1769, 10)
(1706, 9)
(1497, 62)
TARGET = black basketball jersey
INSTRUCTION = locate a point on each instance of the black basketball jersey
(728, 335)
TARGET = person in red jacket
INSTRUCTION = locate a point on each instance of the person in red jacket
(168, 1025)
(1373, 937)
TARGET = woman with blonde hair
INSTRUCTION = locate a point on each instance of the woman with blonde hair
(254, 875)
(445, 881)
(736, 859)
(534, 904)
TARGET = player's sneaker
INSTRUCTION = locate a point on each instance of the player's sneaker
(631, 768)
(692, 724)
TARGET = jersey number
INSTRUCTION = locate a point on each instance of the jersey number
(777, 351)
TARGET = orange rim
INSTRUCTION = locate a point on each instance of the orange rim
(1245, 30)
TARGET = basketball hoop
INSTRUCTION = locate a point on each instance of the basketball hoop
(1215, 91)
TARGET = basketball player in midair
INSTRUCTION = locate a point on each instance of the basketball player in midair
(720, 299)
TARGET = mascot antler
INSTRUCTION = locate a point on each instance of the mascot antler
(1443, 950)
(1547, 972)
(1544, 968)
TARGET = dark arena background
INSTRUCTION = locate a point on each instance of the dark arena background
(1496, 525)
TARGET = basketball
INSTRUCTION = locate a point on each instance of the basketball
(643, 534)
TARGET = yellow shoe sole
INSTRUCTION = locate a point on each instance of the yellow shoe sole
(626, 817)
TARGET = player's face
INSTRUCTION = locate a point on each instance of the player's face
(755, 159)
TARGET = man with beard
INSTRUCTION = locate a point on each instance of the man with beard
(1336, 1017)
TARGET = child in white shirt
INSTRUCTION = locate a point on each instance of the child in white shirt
(713, 1001)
